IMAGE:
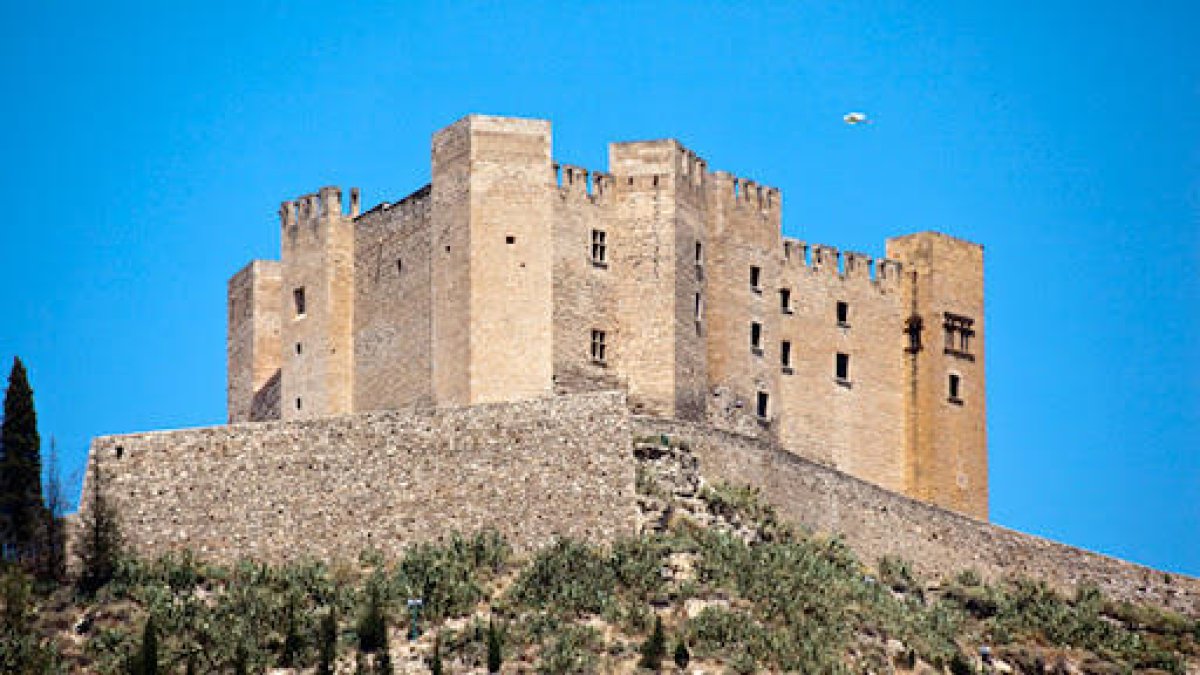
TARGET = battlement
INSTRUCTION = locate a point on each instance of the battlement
(576, 180)
(847, 265)
(416, 204)
(317, 207)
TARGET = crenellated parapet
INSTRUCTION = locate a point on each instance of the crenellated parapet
(314, 209)
(852, 266)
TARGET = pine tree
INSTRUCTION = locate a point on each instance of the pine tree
(495, 656)
(100, 545)
(328, 644)
(20, 464)
(655, 648)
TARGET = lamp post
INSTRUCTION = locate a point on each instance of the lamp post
(414, 607)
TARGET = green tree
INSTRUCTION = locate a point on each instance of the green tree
(100, 545)
(495, 656)
(20, 465)
(328, 644)
(52, 564)
(372, 625)
(682, 655)
(435, 661)
(655, 648)
(146, 662)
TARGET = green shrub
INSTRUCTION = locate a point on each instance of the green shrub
(572, 650)
(682, 656)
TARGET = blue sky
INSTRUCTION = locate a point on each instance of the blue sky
(147, 147)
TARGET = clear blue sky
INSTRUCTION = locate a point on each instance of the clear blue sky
(147, 146)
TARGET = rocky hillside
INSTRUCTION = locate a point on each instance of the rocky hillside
(714, 583)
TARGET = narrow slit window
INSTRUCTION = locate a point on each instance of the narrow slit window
(843, 314)
(298, 404)
(785, 300)
(298, 299)
(699, 254)
(954, 388)
(842, 367)
(762, 408)
(399, 267)
(756, 278)
(699, 308)
(756, 337)
(299, 348)
(599, 247)
(599, 347)
(785, 355)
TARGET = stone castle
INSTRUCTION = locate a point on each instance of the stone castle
(513, 277)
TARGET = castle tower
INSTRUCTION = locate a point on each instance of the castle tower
(491, 261)
(252, 345)
(316, 308)
(659, 221)
(946, 446)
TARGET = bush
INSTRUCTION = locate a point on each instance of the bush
(682, 655)
(328, 657)
(495, 656)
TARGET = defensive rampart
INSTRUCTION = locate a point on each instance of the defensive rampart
(939, 543)
(332, 487)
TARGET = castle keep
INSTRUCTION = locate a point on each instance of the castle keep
(513, 277)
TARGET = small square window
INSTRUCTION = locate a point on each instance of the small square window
(842, 368)
(785, 356)
(843, 314)
(762, 407)
(599, 248)
(756, 279)
(756, 337)
(298, 299)
(510, 240)
(599, 347)
(785, 300)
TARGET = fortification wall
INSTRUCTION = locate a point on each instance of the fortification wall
(331, 487)
(939, 543)
(584, 296)
(857, 423)
(392, 305)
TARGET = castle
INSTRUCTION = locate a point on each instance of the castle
(512, 277)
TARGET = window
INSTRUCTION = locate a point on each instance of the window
(762, 407)
(912, 327)
(699, 308)
(756, 337)
(299, 348)
(959, 331)
(399, 266)
(298, 297)
(699, 254)
(599, 348)
(297, 404)
(510, 240)
(599, 247)
(785, 300)
(842, 368)
(756, 279)
(955, 386)
(843, 314)
(785, 356)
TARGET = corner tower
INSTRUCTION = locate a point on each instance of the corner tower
(491, 261)
(316, 310)
(946, 419)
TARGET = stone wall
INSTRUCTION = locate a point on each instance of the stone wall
(332, 487)
(939, 543)
(393, 366)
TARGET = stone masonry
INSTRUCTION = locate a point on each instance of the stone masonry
(514, 277)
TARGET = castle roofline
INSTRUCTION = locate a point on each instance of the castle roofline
(926, 233)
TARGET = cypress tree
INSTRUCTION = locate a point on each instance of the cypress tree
(682, 655)
(147, 662)
(20, 463)
(655, 648)
(495, 656)
(435, 662)
(100, 544)
(328, 644)
(372, 626)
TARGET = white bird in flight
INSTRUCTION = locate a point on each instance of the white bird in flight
(855, 118)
